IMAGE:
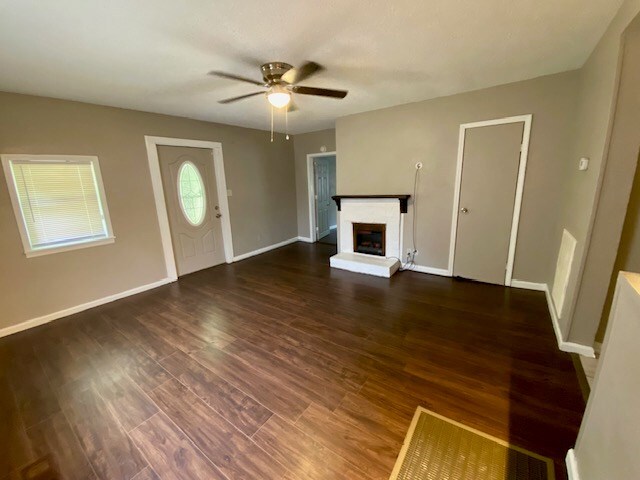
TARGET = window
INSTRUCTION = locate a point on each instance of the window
(58, 201)
(191, 193)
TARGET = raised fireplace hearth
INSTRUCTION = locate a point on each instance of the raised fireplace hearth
(369, 238)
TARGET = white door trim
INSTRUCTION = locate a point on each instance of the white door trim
(311, 188)
(152, 144)
(524, 153)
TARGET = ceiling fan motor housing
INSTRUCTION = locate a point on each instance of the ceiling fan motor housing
(273, 71)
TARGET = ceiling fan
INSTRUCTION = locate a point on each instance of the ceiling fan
(281, 80)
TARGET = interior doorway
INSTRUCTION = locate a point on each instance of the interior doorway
(492, 160)
(322, 186)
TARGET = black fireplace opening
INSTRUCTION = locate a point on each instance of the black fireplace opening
(369, 238)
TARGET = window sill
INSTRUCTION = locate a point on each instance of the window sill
(67, 248)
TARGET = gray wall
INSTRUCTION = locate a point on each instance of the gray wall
(303, 145)
(628, 256)
(621, 162)
(584, 191)
(260, 174)
(389, 142)
(607, 445)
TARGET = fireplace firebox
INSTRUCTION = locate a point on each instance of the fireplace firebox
(369, 238)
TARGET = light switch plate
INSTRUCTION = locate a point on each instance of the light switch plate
(583, 164)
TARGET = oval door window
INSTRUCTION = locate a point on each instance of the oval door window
(191, 193)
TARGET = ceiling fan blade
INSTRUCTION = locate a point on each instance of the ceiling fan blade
(241, 97)
(231, 76)
(321, 92)
(296, 75)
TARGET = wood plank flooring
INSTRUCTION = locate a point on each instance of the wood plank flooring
(278, 367)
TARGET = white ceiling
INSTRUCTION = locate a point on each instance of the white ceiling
(153, 55)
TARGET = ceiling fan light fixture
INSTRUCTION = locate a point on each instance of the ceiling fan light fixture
(278, 97)
(281, 81)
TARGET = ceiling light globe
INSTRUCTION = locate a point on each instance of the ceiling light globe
(279, 99)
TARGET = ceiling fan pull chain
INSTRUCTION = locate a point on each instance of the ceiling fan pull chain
(271, 123)
(286, 122)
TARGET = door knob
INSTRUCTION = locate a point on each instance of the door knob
(218, 215)
(464, 210)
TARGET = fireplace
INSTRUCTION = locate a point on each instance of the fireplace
(369, 238)
(370, 233)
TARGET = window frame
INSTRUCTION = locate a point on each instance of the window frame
(29, 250)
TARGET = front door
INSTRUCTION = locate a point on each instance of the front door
(487, 198)
(323, 196)
(191, 195)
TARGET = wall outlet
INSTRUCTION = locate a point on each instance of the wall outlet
(411, 255)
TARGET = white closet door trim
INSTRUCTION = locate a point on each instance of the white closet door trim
(524, 153)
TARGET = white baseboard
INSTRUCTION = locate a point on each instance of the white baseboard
(597, 347)
(572, 465)
(265, 249)
(430, 270)
(540, 287)
(563, 345)
(35, 322)
(305, 239)
(333, 227)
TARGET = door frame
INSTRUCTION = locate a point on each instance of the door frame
(152, 143)
(311, 189)
(517, 206)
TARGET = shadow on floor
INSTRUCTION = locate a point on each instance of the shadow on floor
(331, 239)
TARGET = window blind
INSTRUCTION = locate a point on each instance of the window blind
(59, 201)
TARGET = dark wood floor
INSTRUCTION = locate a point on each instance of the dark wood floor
(331, 238)
(278, 367)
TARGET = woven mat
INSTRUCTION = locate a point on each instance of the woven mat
(437, 448)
